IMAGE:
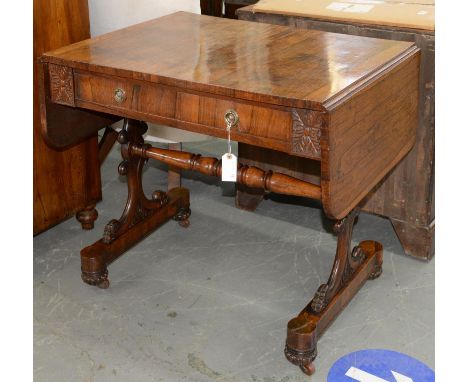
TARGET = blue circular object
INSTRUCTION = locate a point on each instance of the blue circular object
(378, 365)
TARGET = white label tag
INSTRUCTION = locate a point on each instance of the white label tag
(359, 8)
(353, 8)
(229, 168)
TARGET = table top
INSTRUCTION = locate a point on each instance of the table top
(246, 60)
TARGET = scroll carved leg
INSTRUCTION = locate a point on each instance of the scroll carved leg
(351, 268)
(140, 216)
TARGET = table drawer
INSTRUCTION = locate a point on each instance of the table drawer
(285, 129)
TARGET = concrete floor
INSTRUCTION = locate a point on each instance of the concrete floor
(211, 302)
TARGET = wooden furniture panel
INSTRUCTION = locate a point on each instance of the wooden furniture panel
(215, 7)
(138, 95)
(67, 181)
(169, 102)
(231, 6)
(376, 125)
(342, 109)
(66, 126)
(406, 196)
(211, 7)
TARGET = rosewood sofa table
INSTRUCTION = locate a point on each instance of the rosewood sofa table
(347, 104)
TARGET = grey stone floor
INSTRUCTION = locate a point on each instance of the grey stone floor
(211, 302)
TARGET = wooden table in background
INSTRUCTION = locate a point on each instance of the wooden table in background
(345, 107)
(215, 7)
(65, 181)
(406, 197)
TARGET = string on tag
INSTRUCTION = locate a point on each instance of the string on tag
(232, 119)
(228, 128)
(229, 160)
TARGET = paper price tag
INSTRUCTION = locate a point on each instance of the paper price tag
(229, 168)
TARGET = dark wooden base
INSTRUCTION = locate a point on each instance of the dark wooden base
(87, 217)
(96, 257)
(350, 271)
(140, 216)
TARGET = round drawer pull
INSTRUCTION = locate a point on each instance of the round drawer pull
(231, 117)
(119, 95)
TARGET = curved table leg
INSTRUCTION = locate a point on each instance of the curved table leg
(351, 268)
(140, 216)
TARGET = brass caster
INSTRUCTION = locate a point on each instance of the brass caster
(184, 223)
(303, 359)
(103, 284)
(182, 217)
(376, 273)
(308, 369)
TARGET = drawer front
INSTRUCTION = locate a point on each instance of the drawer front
(284, 129)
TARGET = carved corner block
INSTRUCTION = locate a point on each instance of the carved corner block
(61, 85)
(306, 132)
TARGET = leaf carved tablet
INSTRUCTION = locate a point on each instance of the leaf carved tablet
(306, 132)
(61, 84)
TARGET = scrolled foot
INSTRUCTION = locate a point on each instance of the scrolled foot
(99, 279)
(182, 217)
(303, 359)
(87, 217)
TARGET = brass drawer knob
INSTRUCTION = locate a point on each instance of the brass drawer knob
(119, 95)
(231, 118)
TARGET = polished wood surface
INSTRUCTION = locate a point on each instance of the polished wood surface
(174, 107)
(210, 53)
(248, 176)
(406, 196)
(68, 181)
(345, 107)
(347, 79)
(374, 127)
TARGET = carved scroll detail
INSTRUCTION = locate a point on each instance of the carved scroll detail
(303, 359)
(306, 132)
(347, 260)
(61, 85)
(138, 207)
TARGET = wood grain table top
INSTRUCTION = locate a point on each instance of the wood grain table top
(347, 101)
(251, 61)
